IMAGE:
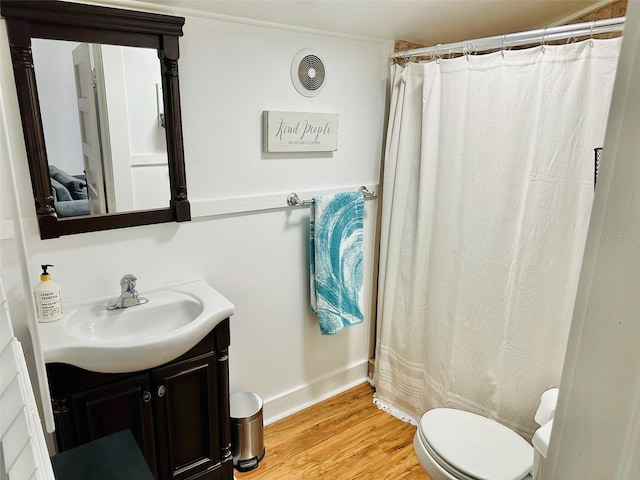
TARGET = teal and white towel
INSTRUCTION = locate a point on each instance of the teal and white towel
(335, 260)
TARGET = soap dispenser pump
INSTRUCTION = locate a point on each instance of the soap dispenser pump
(48, 298)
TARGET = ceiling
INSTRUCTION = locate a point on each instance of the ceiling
(427, 22)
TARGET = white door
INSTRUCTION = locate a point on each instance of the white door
(90, 137)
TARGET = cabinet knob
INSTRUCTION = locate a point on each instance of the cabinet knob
(161, 391)
(146, 396)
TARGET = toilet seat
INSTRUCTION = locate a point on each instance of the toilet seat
(473, 447)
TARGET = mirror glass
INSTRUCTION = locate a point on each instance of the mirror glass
(103, 121)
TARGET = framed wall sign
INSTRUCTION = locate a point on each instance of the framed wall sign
(299, 132)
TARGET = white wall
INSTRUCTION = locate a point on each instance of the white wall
(229, 73)
(596, 431)
(57, 92)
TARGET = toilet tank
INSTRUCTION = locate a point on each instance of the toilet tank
(540, 447)
(544, 418)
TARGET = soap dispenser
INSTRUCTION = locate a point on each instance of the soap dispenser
(48, 298)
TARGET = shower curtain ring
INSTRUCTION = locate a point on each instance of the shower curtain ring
(593, 25)
(467, 50)
(542, 41)
(505, 42)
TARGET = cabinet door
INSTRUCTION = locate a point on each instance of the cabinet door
(121, 405)
(186, 414)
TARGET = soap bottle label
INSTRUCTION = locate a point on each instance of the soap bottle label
(48, 305)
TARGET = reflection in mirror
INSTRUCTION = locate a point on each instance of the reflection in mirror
(103, 122)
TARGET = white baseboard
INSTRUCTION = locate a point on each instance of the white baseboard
(305, 396)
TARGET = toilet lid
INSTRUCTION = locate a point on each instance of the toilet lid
(476, 446)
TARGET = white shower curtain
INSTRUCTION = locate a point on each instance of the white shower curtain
(488, 185)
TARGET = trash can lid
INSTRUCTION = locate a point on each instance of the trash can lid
(245, 404)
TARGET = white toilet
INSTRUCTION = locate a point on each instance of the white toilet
(457, 445)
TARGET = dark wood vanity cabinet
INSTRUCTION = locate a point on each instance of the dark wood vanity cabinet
(187, 428)
(177, 412)
(86, 415)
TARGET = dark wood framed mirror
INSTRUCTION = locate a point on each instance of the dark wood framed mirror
(96, 25)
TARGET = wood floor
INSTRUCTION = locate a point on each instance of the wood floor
(344, 438)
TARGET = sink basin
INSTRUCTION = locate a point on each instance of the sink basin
(167, 313)
(135, 338)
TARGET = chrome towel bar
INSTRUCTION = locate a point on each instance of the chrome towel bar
(293, 200)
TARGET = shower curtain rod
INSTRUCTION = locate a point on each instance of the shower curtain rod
(508, 40)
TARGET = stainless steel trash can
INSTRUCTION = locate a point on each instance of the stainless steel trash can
(247, 431)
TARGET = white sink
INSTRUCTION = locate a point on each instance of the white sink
(135, 338)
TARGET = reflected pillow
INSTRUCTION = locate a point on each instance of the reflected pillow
(76, 187)
(60, 192)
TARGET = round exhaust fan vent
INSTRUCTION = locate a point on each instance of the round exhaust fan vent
(308, 73)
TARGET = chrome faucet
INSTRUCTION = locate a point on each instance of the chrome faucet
(128, 294)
